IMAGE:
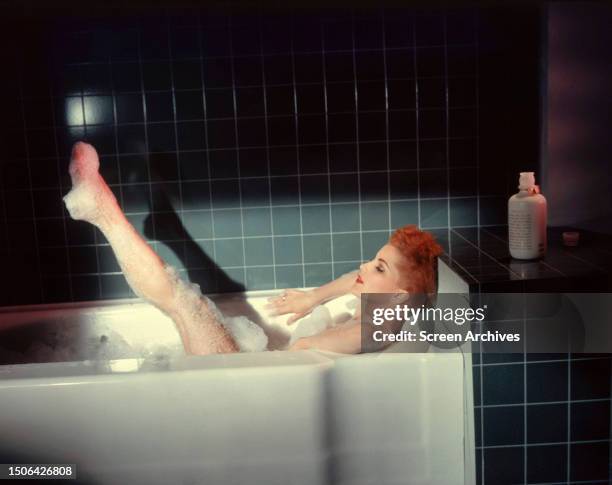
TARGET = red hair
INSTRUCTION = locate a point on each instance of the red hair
(421, 252)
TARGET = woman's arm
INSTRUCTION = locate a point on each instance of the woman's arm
(338, 287)
(301, 303)
(345, 339)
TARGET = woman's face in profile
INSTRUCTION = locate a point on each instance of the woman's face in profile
(383, 274)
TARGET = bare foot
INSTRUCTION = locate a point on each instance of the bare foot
(89, 192)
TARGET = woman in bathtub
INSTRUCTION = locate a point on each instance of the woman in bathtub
(404, 265)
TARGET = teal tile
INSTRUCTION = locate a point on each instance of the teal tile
(463, 181)
(136, 198)
(115, 286)
(199, 253)
(345, 217)
(464, 212)
(372, 242)
(289, 276)
(374, 215)
(229, 252)
(374, 186)
(198, 224)
(285, 190)
(286, 220)
(434, 213)
(433, 184)
(315, 218)
(493, 210)
(257, 222)
(205, 279)
(344, 188)
(106, 259)
(288, 249)
(404, 185)
(260, 278)
(258, 251)
(227, 223)
(314, 189)
(255, 192)
(237, 275)
(195, 195)
(347, 247)
(318, 274)
(136, 220)
(225, 194)
(317, 248)
(85, 288)
(172, 253)
(404, 212)
(344, 268)
(155, 245)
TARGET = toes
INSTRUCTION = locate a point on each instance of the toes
(82, 150)
(84, 160)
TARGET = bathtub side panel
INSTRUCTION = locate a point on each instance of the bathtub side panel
(228, 427)
(398, 419)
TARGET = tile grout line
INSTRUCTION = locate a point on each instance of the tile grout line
(384, 54)
(416, 113)
(95, 229)
(525, 396)
(357, 142)
(477, 88)
(297, 153)
(329, 183)
(301, 145)
(447, 127)
(365, 231)
(146, 138)
(214, 276)
(566, 253)
(334, 51)
(545, 403)
(268, 165)
(538, 261)
(569, 416)
(247, 177)
(176, 138)
(310, 204)
(115, 124)
(483, 252)
(520, 362)
(161, 121)
(534, 445)
(64, 210)
(237, 148)
(481, 362)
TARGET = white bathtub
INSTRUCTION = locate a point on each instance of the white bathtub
(160, 417)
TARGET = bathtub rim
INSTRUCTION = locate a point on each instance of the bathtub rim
(444, 272)
(33, 307)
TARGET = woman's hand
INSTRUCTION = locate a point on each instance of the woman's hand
(298, 302)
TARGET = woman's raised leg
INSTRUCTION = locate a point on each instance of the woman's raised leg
(92, 200)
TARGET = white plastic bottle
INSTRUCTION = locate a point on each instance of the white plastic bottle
(527, 220)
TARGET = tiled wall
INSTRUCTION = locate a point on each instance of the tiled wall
(539, 417)
(253, 149)
(279, 150)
